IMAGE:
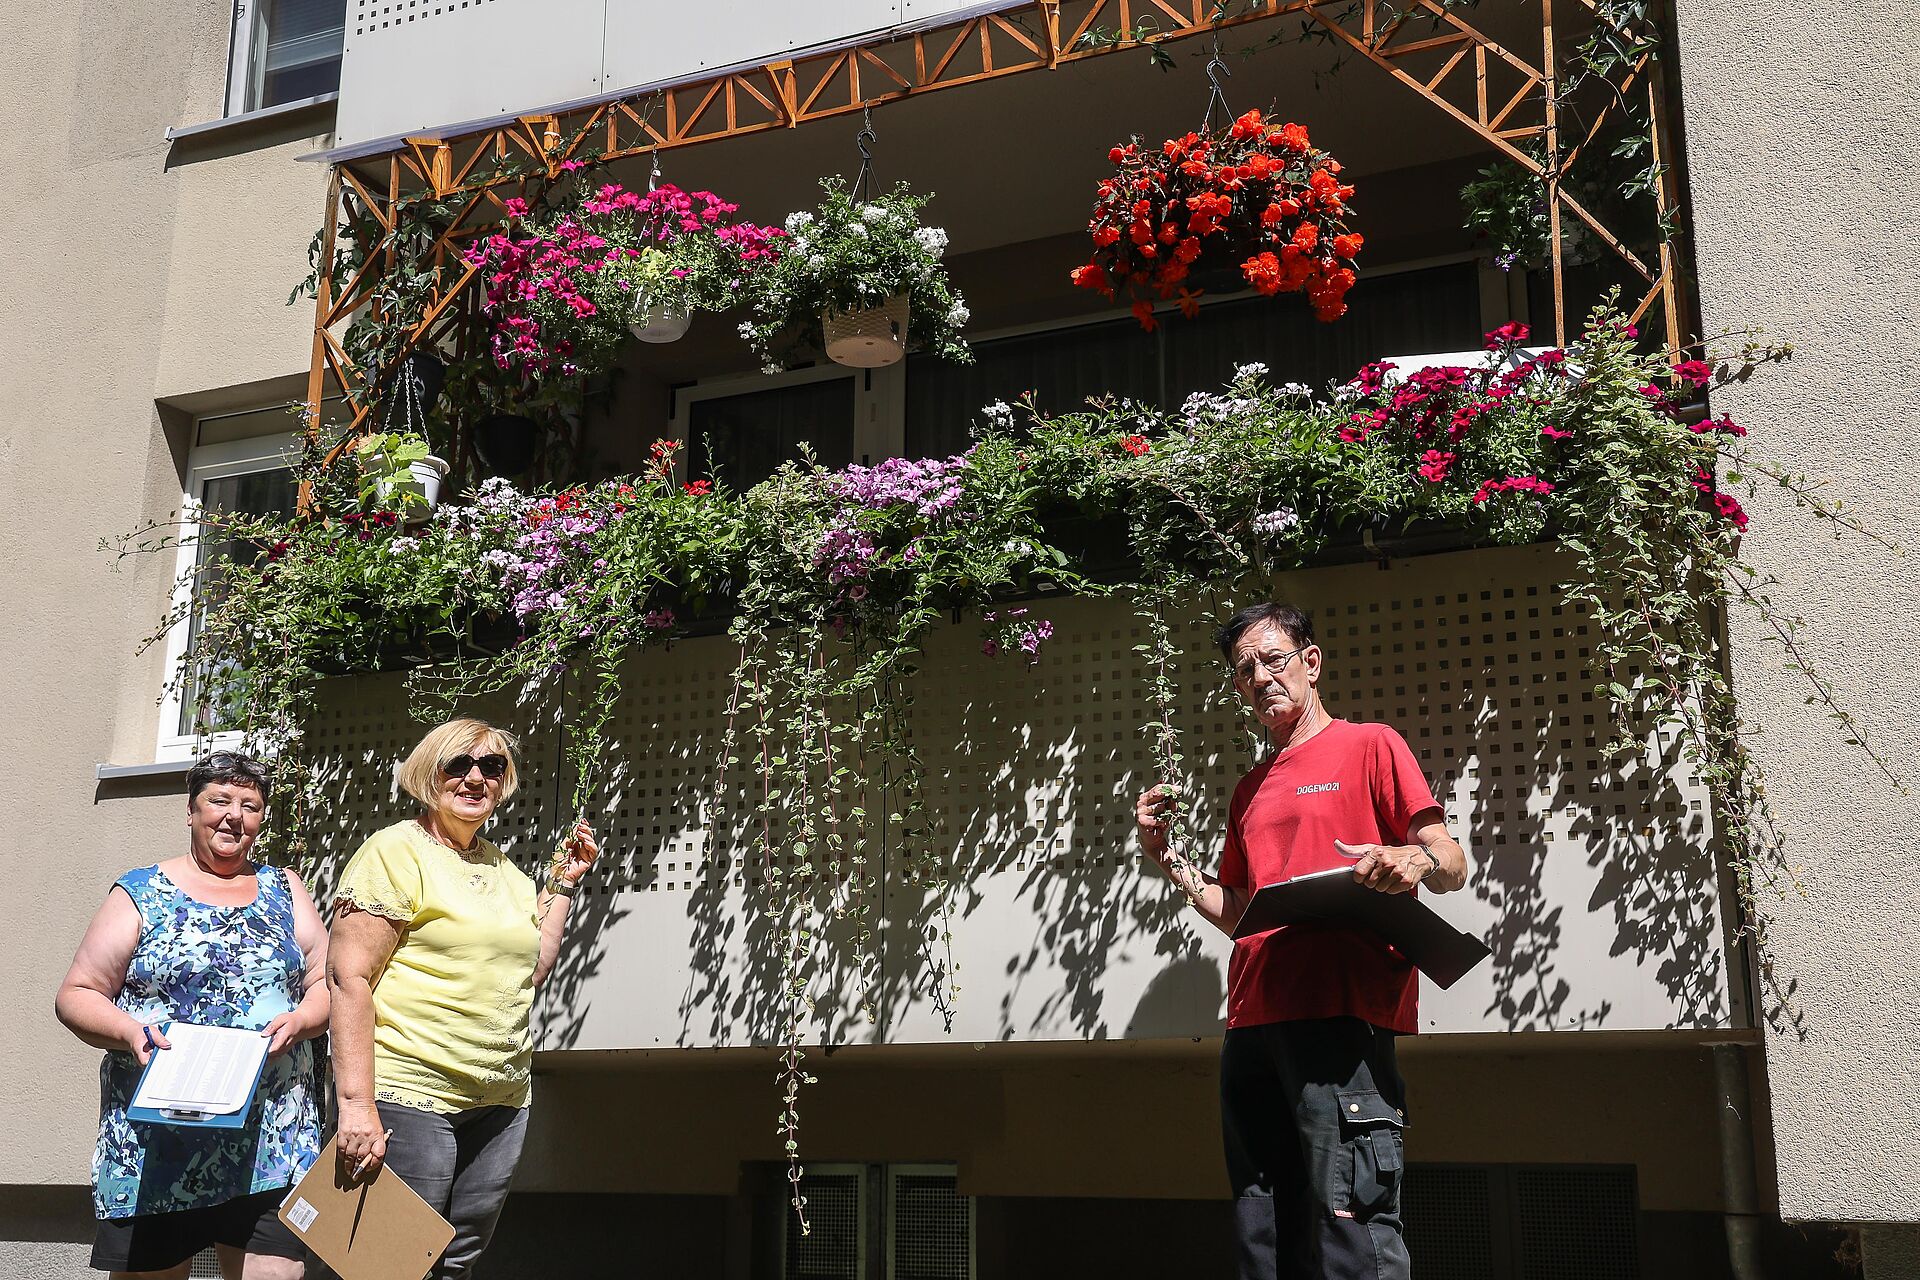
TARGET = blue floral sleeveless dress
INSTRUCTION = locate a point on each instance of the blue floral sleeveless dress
(222, 967)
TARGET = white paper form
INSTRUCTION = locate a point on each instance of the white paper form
(209, 1070)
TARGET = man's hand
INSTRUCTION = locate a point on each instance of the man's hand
(1153, 817)
(1388, 868)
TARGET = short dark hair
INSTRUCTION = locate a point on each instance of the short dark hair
(230, 767)
(1296, 622)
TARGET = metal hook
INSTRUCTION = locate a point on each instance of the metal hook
(864, 140)
(1216, 96)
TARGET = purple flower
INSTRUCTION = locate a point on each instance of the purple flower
(930, 485)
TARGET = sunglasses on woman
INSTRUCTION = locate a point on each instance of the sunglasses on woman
(490, 766)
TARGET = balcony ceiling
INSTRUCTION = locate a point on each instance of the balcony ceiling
(1016, 159)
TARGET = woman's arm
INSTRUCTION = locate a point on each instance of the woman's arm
(309, 1018)
(556, 897)
(85, 1002)
(357, 953)
(553, 927)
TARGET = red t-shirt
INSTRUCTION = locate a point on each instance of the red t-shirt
(1353, 782)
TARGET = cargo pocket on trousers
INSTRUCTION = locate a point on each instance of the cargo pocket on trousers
(1370, 1133)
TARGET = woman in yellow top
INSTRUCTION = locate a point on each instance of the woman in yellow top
(438, 944)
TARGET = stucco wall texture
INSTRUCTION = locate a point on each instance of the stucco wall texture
(1804, 149)
(129, 272)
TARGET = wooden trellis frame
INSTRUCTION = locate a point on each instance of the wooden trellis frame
(1503, 96)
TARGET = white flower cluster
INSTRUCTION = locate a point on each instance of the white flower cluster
(798, 221)
(957, 314)
(932, 240)
(402, 545)
(1251, 369)
(1271, 524)
(1200, 404)
(999, 413)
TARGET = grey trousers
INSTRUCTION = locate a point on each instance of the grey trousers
(1313, 1113)
(462, 1165)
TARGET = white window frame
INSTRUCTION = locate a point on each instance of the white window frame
(240, 57)
(206, 462)
(246, 34)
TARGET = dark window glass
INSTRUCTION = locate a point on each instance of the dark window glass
(204, 703)
(1063, 366)
(297, 47)
(743, 439)
(1410, 313)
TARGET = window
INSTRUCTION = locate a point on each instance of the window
(284, 51)
(232, 467)
(741, 429)
(1431, 309)
(878, 1222)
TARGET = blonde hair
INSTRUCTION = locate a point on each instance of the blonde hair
(419, 774)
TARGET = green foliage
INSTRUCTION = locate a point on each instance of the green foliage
(386, 468)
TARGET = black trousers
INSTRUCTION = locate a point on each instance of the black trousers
(1313, 1113)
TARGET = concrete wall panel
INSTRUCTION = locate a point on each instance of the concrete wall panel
(1804, 145)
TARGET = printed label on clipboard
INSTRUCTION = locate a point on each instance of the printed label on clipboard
(300, 1214)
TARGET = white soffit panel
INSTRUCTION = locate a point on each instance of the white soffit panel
(415, 66)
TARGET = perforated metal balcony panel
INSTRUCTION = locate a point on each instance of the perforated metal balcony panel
(414, 66)
(1592, 884)
(417, 66)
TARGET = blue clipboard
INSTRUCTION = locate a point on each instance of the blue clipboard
(236, 1119)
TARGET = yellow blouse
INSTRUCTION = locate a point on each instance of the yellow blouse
(451, 1029)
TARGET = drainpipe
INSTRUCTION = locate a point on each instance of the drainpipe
(1739, 1189)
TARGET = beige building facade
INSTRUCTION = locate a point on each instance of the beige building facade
(1644, 1101)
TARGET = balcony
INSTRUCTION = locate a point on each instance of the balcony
(1021, 915)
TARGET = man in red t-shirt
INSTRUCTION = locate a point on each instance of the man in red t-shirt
(1311, 1102)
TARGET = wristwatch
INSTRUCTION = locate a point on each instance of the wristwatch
(1430, 858)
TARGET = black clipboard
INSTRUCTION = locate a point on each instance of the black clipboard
(1445, 954)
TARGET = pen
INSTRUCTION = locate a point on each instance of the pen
(368, 1158)
(148, 1033)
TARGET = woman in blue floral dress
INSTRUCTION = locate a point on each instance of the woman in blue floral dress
(215, 939)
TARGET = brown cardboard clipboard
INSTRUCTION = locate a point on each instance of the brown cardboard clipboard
(371, 1228)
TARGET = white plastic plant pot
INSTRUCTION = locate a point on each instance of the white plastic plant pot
(661, 324)
(423, 484)
(867, 338)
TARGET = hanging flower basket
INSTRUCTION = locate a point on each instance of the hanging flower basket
(569, 285)
(866, 337)
(850, 273)
(1253, 205)
(661, 322)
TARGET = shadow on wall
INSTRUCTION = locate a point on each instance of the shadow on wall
(1027, 889)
